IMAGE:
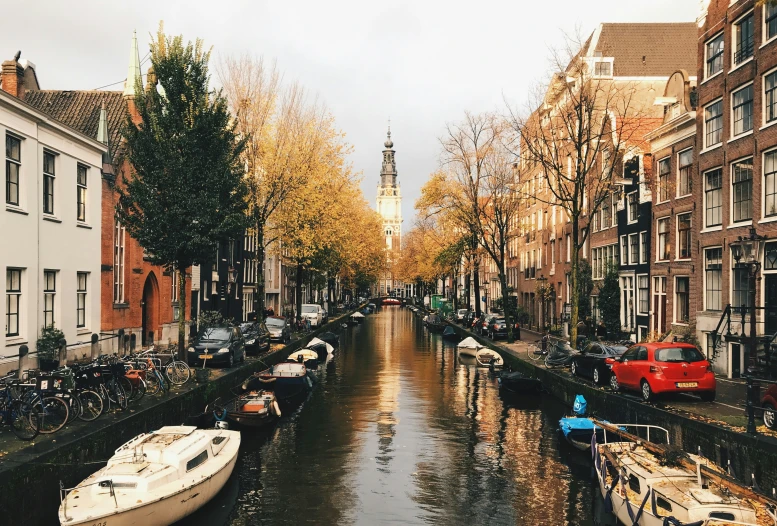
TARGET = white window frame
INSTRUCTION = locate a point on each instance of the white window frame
(18, 163)
(50, 294)
(633, 255)
(706, 56)
(704, 124)
(624, 248)
(676, 304)
(704, 279)
(677, 235)
(639, 311)
(764, 26)
(667, 159)
(704, 198)
(734, 26)
(85, 188)
(82, 303)
(764, 121)
(643, 247)
(678, 195)
(19, 294)
(668, 241)
(743, 222)
(631, 220)
(736, 90)
(764, 215)
(119, 262)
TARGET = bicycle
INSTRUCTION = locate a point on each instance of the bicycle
(177, 371)
(536, 352)
(51, 412)
(17, 413)
(155, 381)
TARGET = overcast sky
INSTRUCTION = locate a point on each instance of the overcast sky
(423, 63)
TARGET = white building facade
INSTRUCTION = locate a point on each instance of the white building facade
(389, 206)
(50, 225)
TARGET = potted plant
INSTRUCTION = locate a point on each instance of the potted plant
(47, 347)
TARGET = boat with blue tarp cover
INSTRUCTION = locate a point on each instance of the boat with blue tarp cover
(578, 429)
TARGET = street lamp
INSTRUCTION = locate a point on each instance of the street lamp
(541, 289)
(746, 252)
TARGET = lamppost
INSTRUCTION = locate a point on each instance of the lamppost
(747, 254)
(541, 289)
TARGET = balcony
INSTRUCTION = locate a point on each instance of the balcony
(744, 52)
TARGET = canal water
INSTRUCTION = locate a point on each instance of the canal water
(399, 431)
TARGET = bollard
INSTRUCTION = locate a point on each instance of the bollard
(119, 339)
(62, 353)
(133, 341)
(23, 360)
(95, 346)
(125, 345)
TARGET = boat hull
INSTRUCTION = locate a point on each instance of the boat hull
(166, 510)
(466, 351)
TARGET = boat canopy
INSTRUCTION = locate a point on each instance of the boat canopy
(470, 343)
(357, 314)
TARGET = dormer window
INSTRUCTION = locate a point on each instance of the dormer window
(602, 69)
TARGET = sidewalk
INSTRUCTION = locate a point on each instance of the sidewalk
(728, 407)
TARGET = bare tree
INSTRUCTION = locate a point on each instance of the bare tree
(574, 138)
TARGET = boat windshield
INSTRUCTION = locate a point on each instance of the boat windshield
(678, 354)
(215, 334)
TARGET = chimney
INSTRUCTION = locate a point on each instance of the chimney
(13, 77)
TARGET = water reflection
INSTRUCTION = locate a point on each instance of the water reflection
(400, 430)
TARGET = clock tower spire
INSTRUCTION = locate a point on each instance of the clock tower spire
(389, 205)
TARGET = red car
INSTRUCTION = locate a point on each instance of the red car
(655, 368)
(769, 403)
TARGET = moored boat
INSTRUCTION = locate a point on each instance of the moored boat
(645, 483)
(330, 338)
(469, 347)
(489, 358)
(308, 357)
(285, 379)
(517, 382)
(449, 333)
(577, 429)
(154, 479)
(254, 409)
(355, 318)
(434, 323)
(391, 301)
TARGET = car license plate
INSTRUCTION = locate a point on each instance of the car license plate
(205, 356)
(687, 384)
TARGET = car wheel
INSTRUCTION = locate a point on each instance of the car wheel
(647, 392)
(770, 417)
(707, 396)
(596, 376)
(574, 368)
(614, 383)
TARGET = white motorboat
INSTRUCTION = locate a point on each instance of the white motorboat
(154, 479)
(642, 488)
(315, 342)
(489, 358)
(469, 347)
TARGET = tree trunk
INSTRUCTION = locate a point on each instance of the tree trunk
(506, 302)
(573, 283)
(182, 316)
(476, 279)
(259, 300)
(467, 278)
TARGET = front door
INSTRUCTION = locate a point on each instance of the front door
(659, 304)
(770, 303)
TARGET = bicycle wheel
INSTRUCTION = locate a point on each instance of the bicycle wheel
(178, 373)
(535, 353)
(139, 390)
(91, 405)
(153, 385)
(129, 388)
(117, 395)
(73, 405)
(51, 413)
(23, 425)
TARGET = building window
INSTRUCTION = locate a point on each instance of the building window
(743, 39)
(770, 96)
(663, 240)
(684, 176)
(606, 213)
(742, 189)
(742, 106)
(602, 69)
(740, 287)
(48, 183)
(118, 263)
(713, 276)
(770, 183)
(643, 258)
(625, 250)
(713, 183)
(601, 258)
(714, 52)
(81, 193)
(569, 248)
(81, 299)
(643, 294)
(174, 287)
(633, 249)
(633, 207)
(770, 20)
(683, 299)
(664, 167)
(49, 294)
(13, 299)
(684, 236)
(13, 165)
(713, 124)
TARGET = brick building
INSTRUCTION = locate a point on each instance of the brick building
(737, 100)
(136, 296)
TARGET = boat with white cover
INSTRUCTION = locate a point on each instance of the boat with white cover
(469, 347)
(156, 478)
(645, 483)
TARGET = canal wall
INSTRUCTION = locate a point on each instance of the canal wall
(30, 475)
(748, 455)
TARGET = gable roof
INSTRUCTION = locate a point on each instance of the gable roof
(81, 111)
(665, 47)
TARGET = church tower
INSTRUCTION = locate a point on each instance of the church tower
(389, 204)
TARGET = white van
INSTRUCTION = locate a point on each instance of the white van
(313, 312)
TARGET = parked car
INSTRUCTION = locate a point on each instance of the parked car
(591, 361)
(497, 327)
(663, 367)
(279, 328)
(222, 345)
(256, 336)
(769, 404)
(461, 315)
(314, 313)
